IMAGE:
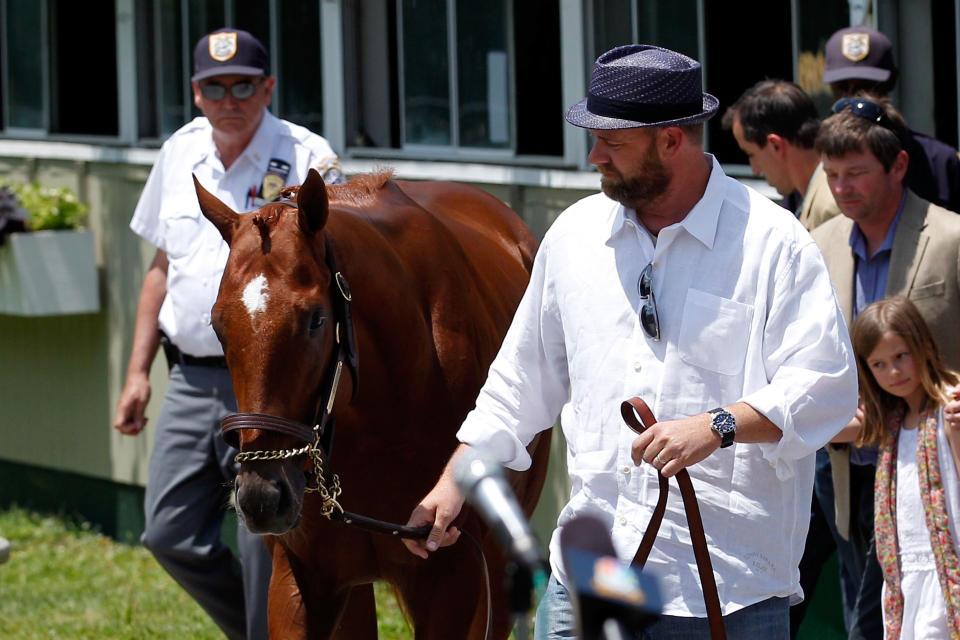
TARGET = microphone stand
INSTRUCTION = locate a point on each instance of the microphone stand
(519, 588)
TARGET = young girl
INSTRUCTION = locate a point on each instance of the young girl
(904, 385)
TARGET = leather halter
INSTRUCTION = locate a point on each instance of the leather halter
(318, 439)
(704, 567)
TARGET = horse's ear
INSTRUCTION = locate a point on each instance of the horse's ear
(312, 203)
(223, 217)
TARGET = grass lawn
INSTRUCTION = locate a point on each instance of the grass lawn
(64, 580)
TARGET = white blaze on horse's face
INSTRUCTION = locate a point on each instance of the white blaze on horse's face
(255, 295)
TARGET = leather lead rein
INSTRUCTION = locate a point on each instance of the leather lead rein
(630, 409)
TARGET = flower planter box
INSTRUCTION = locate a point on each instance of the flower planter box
(44, 273)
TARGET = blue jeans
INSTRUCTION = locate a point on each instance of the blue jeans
(769, 619)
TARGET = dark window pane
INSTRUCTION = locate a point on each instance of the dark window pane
(25, 63)
(945, 72)
(300, 80)
(203, 17)
(254, 16)
(147, 105)
(671, 24)
(76, 61)
(817, 22)
(173, 77)
(426, 87)
(483, 73)
(539, 96)
(735, 62)
(612, 27)
(371, 73)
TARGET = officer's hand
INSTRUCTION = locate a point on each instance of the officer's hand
(130, 418)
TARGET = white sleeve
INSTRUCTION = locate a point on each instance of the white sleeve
(146, 217)
(528, 382)
(812, 393)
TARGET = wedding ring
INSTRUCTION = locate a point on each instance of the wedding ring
(660, 460)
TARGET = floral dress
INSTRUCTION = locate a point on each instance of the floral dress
(917, 504)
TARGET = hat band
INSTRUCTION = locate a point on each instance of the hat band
(641, 112)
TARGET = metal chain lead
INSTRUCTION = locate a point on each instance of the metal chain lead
(328, 494)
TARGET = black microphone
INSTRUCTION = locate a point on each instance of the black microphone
(611, 599)
(484, 484)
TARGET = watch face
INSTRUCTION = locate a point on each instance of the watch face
(724, 422)
(725, 425)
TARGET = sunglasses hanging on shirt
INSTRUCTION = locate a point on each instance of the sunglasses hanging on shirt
(649, 319)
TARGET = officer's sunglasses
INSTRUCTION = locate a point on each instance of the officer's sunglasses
(240, 90)
(649, 319)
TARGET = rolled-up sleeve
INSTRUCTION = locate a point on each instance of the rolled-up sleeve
(812, 393)
(528, 382)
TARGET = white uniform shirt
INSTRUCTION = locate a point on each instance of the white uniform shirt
(747, 313)
(168, 214)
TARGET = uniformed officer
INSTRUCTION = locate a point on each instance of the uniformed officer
(243, 154)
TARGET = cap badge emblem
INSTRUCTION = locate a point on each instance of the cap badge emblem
(223, 46)
(855, 46)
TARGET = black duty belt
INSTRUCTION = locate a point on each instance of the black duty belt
(175, 356)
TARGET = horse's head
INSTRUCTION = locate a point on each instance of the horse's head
(274, 316)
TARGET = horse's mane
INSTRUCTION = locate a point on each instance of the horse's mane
(359, 191)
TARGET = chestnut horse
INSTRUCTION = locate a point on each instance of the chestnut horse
(435, 273)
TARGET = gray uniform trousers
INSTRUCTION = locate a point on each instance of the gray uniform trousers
(189, 482)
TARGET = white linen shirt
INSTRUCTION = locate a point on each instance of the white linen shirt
(747, 313)
(168, 214)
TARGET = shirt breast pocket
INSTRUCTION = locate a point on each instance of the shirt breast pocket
(714, 332)
(181, 229)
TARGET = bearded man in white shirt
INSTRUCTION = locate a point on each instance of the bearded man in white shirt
(682, 286)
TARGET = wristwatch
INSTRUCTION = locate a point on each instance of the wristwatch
(724, 425)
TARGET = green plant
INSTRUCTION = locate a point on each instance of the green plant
(50, 207)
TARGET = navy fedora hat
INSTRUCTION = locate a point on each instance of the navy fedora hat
(640, 85)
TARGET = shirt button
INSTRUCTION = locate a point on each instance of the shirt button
(206, 318)
(623, 520)
(637, 365)
(626, 470)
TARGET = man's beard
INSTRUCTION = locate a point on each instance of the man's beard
(645, 187)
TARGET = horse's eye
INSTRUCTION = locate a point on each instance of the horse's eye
(317, 320)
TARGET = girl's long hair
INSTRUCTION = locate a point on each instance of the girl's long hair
(900, 317)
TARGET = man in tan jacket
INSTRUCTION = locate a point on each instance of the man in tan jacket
(888, 242)
(774, 122)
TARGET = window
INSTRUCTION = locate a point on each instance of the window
(51, 64)
(453, 77)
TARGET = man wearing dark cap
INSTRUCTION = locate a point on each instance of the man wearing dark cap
(243, 154)
(859, 60)
(681, 286)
